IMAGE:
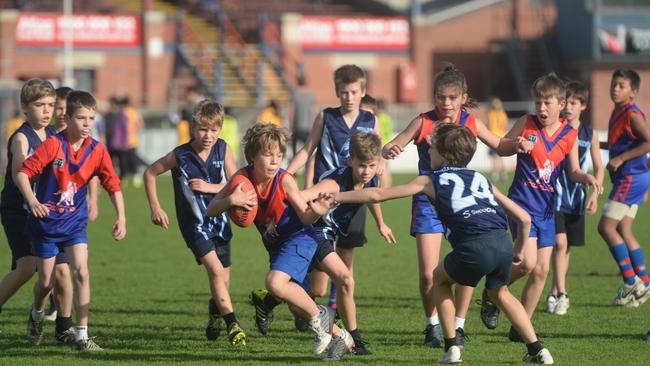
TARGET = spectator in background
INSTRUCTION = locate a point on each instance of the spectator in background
(230, 133)
(134, 124)
(303, 111)
(385, 122)
(271, 114)
(497, 124)
(117, 134)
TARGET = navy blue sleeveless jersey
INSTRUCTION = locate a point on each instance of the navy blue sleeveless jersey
(465, 203)
(11, 199)
(337, 220)
(571, 197)
(334, 147)
(191, 205)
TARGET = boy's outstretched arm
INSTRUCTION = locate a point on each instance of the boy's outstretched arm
(396, 146)
(642, 132)
(599, 172)
(513, 142)
(384, 230)
(523, 222)
(504, 146)
(119, 228)
(303, 154)
(307, 212)
(577, 175)
(167, 162)
(324, 186)
(375, 195)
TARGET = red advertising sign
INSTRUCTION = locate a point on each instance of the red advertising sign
(354, 33)
(87, 30)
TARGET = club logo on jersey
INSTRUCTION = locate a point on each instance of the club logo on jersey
(533, 138)
(58, 163)
(270, 232)
(546, 172)
(67, 196)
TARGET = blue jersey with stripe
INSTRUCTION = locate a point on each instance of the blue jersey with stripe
(465, 203)
(334, 147)
(337, 220)
(621, 138)
(11, 199)
(533, 187)
(571, 196)
(191, 205)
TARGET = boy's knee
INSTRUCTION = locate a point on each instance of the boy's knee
(426, 278)
(82, 275)
(346, 283)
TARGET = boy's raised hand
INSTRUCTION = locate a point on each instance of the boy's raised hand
(159, 217)
(387, 234)
(246, 200)
(39, 210)
(391, 152)
(119, 229)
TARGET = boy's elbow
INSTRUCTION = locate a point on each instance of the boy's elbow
(375, 197)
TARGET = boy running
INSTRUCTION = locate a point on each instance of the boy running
(200, 169)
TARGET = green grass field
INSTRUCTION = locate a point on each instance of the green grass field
(149, 303)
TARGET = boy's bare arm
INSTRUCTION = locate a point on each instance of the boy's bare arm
(327, 186)
(577, 175)
(19, 147)
(396, 146)
(38, 209)
(119, 228)
(303, 154)
(93, 206)
(167, 162)
(230, 165)
(384, 230)
(513, 140)
(518, 214)
(375, 195)
(305, 213)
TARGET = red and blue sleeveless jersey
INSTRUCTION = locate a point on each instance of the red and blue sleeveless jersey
(63, 175)
(430, 121)
(571, 196)
(621, 138)
(337, 220)
(12, 200)
(334, 146)
(276, 220)
(465, 203)
(533, 187)
(191, 206)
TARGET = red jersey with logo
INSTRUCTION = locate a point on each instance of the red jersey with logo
(533, 187)
(62, 180)
(621, 138)
(276, 220)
